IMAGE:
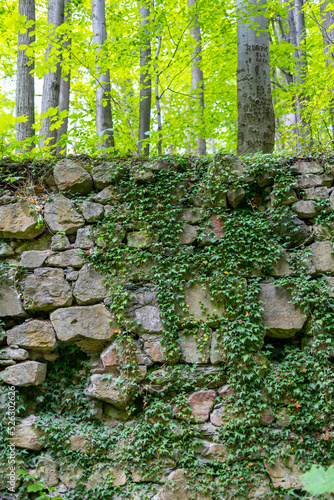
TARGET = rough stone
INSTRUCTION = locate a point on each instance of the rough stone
(60, 242)
(70, 475)
(153, 346)
(176, 488)
(70, 177)
(120, 353)
(61, 216)
(19, 220)
(313, 180)
(24, 374)
(294, 231)
(195, 348)
(109, 391)
(33, 334)
(140, 239)
(91, 211)
(212, 451)
(228, 168)
(32, 259)
(46, 289)
(218, 353)
(188, 235)
(201, 404)
(317, 193)
(306, 209)
(282, 266)
(107, 195)
(148, 319)
(322, 257)
(88, 326)
(72, 275)
(282, 318)
(288, 198)
(6, 250)
(8, 353)
(307, 167)
(84, 239)
(116, 476)
(10, 304)
(285, 474)
(190, 215)
(40, 244)
(103, 175)
(49, 470)
(68, 258)
(90, 286)
(235, 195)
(219, 416)
(197, 297)
(27, 436)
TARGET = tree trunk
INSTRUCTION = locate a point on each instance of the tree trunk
(197, 79)
(145, 80)
(256, 119)
(157, 98)
(51, 83)
(328, 41)
(104, 123)
(25, 88)
(64, 93)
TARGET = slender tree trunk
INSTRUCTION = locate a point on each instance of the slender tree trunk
(157, 98)
(327, 18)
(104, 123)
(25, 88)
(256, 119)
(197, 79)
(51, 83)
(145, 80)
(65, 82)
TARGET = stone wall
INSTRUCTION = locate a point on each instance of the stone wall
(60, 294)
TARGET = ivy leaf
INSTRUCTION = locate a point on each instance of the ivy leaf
(318, 481)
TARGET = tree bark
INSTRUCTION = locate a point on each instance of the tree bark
(256, 119)
(145, 96)
(327, 18)
(104, 123)
(51, 83)
(25, 88)
(197, 78)
(65, 84)
(157, 98)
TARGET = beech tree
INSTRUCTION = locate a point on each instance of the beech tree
(256, 119)
(145, 93)
(104, 121)
(327, 18)
(25, 88)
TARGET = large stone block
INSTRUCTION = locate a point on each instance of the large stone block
(69, 258)
(313, 180)
(201, 404)
(307, 167)
(148, 319)
(140, 239)
(27, 436)
(40, 244)
(84, 238)
(31, 259)
(188, 235)
(19, 220)
(195, 348)
(88, 326)
(102, 175)
(285, 474)
(322, 257)
(24, 374)
(109, 391)
(306, 209)
(199, 304)
(46, 289)
(61, 216)
(115, 476)
(70, 177)
(282, 318)
(14, 354)
(91, 211)
(177, 488)
(154, 348)
(33, 334)
(119, 353)
(90, 286)
(10, 304)
(48, 470)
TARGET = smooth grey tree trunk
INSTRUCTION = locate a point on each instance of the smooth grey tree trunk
(327, 17)
(197, 78)
(65, 84)
(25, 88)
(51, 83)
(157, 97)
(104, 123)
(256, 119)
(145, 95)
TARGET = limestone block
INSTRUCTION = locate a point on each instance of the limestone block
(109, 391)
(142, 176)
(88, 326)
(195, 348)
(140, 239)
(317, 193)
(294, 231)
(188, 235)
(282, 266)
(219, 416)
(19, 220)
(285, 474)
(72, 275)
(32, 259)
(91, 211)
(15, 354)
(60, 242)
(40, 244)
(201, 404)
(212, 451)
(24, 374)
(190, 215)
(33, 334)
(79, 442)
(90, 286)
(235, 195)
(197, 297)
(313, 180)
(322, 256)
(107, 195)
(46, 289)
(104, 174)
(228, 168)
(61, 215)
(282, 318)
(154, 348)
(68, 258)
(115, 476)
(176, 488)
(70, 177)
(6, 250)
(306, 209)
(307, 167)
(218, 352)
(119, 353)
(10, 304)
(48, 470)
(148, 319)
(70, 475)
(84, 239)
(27, 436)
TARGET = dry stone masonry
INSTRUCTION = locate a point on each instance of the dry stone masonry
(133, 344)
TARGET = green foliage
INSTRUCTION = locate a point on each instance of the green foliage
(318, 480)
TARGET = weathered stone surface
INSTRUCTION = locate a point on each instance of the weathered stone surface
(294, 231)
(322, 256)
(102, 175)
(88, 326)
(306, 209)
(72, 275)
(313, 180)
(6, 250)
(46, 289)
(60, 242)
(285, 474)
(40, 244)
(148, 319)
(228, 168)
(24, 374)
(288, 198)
(19, 220)
(84, 239)
(107, 390)
(282, 266)
(48, 470)
(122, 353)
(317, 193)
(201, 404)
(140, 239)
(91, 211)
(307, 167)
(195, 348)
(219, 416)
(212, 451)
(90, 286)
(33, 334)
(107, 195)
(70, 177)
(33, 259)
(70, 475)
(218, 352)
(195, 294)
(190, 215)
(153, 346)
(281, 317)
(142, 176)
(116, 476)
(27, 436)
(188, 235)
(235, 195)
(176, 488)
(8, 353)
(61, 216)
(68, 258)
(10, 304)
